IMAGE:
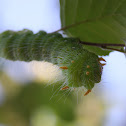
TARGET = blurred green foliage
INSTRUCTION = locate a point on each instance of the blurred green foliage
(32, 96)
(37, 104)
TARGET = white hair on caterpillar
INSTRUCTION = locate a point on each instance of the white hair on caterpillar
(45, 72)
(38, 71)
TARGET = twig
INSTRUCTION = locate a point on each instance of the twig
(84, 21)
(119, 50)
(105, 45)
(101, 44)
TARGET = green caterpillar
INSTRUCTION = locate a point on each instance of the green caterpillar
(80, 67)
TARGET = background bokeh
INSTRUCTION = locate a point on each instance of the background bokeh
(26, 99)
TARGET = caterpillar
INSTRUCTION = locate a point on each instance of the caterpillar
(80, 67)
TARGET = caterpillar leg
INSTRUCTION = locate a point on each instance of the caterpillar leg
(88, 91)
(102, 59)
(64, 67)
(103, 64)
(64, 88)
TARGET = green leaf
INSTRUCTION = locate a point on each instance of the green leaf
(96, 21)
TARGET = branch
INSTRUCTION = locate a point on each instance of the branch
(105, 45)
(101, 44)
(84, 21)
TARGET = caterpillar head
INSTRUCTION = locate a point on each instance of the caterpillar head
(92, 69)
(85, 71)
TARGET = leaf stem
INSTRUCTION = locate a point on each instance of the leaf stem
(101, 44)
(84, 21)
(105, 45)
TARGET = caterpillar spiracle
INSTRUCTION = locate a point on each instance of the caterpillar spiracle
(80, 67)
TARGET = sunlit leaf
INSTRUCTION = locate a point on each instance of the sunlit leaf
(101, 21)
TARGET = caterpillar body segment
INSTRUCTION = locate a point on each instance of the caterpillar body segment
(80, 67)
